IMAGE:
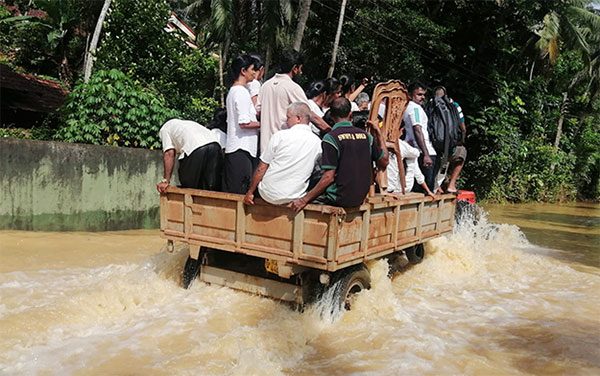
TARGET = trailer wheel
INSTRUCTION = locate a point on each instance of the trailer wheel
(415, 254)
(190, 272)
(348, 283)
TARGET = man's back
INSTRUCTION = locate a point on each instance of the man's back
(351, 152)
(275, 96)
(184, 136)
(291, 155)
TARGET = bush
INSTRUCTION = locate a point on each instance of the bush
(112, 109)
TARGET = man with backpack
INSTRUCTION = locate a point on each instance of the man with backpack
(458, 153)
(417, 134)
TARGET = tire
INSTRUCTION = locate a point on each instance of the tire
(415, 254)
(347, 284)
(190, 272)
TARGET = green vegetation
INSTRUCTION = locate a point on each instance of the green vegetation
(527, 74)
(111, 109)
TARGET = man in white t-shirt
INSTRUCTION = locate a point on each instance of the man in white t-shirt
(200, 157)
(415, 121)
(278, 93)
(287, 163)
(413, 172)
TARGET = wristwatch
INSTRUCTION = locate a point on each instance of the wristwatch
(164, 181)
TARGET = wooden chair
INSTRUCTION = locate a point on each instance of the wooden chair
(394, 91)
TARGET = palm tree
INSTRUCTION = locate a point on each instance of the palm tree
(275, 18)
(575, 27)
(302, 18)
(89, 56)
(337, 39)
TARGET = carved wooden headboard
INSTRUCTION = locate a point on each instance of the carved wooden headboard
(394, 91)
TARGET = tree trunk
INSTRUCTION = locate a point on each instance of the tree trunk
(561, 119)
(337, 39)
(89, 59)
(267, 58)
(221, 81)
(304, 12)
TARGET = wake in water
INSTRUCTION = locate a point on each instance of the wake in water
(481, 302)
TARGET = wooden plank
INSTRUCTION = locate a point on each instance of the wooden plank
(332, 240)
(187, 215)
(420, 219)
(396, 225)
(364, 238)
(438, 222)
(240, 224)
(298, 235)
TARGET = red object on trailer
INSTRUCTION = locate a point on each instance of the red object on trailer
(467, 196)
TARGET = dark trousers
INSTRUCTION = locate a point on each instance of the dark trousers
(239, 168)
(428, 172)
(203, 168)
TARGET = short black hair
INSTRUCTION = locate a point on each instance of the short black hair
(359, 119)
(347, 81)
(239, 63)
(289, 59)
(332, 85)
(340, 108)
(316, 88)
(415, 85)
(219, 120)
(259, 62)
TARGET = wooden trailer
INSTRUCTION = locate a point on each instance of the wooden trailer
(289, 256)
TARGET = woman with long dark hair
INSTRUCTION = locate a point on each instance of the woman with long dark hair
(242, 128)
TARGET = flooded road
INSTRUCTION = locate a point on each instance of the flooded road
(485, 301)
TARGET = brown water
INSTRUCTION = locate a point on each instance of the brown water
(484, 301)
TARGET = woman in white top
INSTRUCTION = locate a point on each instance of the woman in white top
(413, 172)
(320, 95)
(254, 85)
(242, 128)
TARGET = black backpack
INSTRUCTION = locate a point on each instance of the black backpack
(443, 125)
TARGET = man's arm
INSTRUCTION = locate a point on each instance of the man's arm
(383, 161)
(168, 162)
(256, 178)
(319, 122)
(326, 179)
(359, 89)
(421, 142)
(250, 125)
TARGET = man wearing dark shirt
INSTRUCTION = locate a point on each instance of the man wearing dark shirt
(347, 159)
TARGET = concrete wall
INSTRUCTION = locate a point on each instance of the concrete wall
(54, 186)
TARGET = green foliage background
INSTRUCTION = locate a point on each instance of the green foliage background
(506, 64)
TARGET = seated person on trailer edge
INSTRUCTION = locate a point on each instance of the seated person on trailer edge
(200, 157)
(413, 172)
(287, 163)
(347, 161)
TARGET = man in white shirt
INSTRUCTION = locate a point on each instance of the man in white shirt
(288, 160)
(200, 157)
(415, 121)
(278, 93)
(413, 172)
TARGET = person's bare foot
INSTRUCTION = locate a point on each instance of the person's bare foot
(451, 189)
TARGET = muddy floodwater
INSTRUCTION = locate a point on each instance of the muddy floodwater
(487, 300)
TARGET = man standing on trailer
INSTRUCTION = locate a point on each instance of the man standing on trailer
(348, 156)
(415, 121)
(278, 93)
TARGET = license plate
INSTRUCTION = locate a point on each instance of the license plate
(271, 266)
